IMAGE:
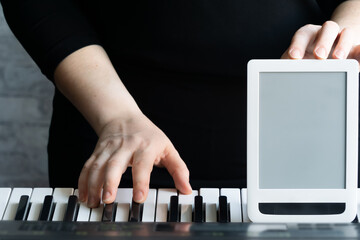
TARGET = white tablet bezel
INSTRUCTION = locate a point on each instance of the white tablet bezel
(347, 195)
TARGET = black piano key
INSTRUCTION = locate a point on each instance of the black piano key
(71, 210)
(199, 215)
(136, 212)
(223, 210)
(174, 209)
(109, 213)
(22, 209)
(48, 205)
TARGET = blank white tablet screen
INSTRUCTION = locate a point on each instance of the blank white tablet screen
(302, 130)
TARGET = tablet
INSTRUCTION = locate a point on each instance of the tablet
(302, 140)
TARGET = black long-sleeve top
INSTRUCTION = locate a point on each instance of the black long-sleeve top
(183, 61)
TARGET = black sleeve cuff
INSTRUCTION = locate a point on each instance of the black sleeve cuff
(49, 30)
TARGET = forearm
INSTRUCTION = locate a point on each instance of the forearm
(347, 15)
(88, 79)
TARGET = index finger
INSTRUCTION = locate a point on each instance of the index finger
(178, 170)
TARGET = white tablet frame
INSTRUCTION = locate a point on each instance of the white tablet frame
(347, 195)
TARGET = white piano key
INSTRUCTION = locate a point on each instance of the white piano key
(37, 200)
(96, 213)
(234, 202)
(123, 200)
(4, 198)
(149, 206)
(244, 205)
(61, 197)
(84, 211)
(211, 201)
(163, 202)
(186, 206)
(13, 203)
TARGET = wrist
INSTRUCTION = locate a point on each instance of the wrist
(117, 122)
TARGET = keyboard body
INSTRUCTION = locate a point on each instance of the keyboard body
(21, 210)
(95, 230)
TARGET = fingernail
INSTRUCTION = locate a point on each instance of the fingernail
(138, 196)
(295, 53)
(106, 196)
(320, 52)
(339, 54)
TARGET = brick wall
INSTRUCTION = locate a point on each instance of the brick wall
(25, 112)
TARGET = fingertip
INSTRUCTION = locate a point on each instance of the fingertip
(108, 197)
(188, 190)
(339, 54)
(295, 53)
(184, 188)
(320, 53)
(139, 196)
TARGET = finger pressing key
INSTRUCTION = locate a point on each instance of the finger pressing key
(178, 170)
(82, 183)
(142, 166)
(95, 179)
(115, 167)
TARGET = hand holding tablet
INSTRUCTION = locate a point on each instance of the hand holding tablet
(302, 140)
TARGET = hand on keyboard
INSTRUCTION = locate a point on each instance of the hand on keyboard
(136, 142)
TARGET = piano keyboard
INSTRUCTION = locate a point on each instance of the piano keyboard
(46, 213)
(162, 205)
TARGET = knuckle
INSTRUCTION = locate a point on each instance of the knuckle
(308, 27)
(110, 183)
(113, 162)
(300, 34)
(86, 167)
(95, 167)
(305, 31)
(331, 24)
(112, 143)
(102, 144)
(144, 143)
(129, 142)
(143, 159)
